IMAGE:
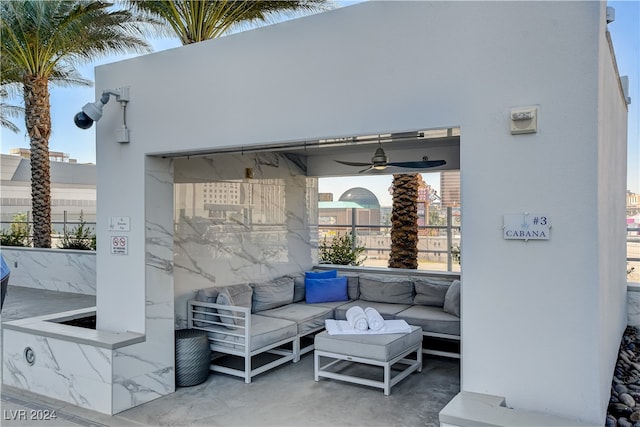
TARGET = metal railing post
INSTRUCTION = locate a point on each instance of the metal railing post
(449, 239)
(29, 228)
(353, 229)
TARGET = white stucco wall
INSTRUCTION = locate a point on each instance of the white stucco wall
(534, 314)
(612, 225)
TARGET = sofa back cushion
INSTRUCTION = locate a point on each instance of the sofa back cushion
(236, 295)
(430, 291)
(393, 290)
(298, 288)
(206, 295)
(452, 299)
(271, 294)
(353, 285)
(326, 290)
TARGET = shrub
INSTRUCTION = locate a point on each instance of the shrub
(341, 251)
(80, 237)
(18, 233)
(455, 253)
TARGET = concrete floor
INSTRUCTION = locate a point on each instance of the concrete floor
(285, 396)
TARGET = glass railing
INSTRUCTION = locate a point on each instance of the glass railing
(633, 255)
(438, 245)
(62, 223)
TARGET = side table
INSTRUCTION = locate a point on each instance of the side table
(193, 357)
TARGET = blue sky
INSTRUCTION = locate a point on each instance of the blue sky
(80, 144)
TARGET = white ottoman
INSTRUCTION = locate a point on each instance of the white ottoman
(385, 350)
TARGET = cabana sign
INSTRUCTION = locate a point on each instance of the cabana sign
(526, 226)
(120, 223)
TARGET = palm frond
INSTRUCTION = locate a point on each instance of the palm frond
(198, 20)
(40, 37)
(64, 76)
(8, 111)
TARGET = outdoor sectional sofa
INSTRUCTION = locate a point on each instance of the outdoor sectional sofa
(278, 317)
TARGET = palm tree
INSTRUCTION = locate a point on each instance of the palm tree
(404, 221)
(198, 20)
(42, 42)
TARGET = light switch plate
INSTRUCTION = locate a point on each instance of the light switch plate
(524, 120)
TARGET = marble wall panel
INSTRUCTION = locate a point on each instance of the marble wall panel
(146, 371)
(231, 229)
(72, 372)
(133, 391)
(62, 270)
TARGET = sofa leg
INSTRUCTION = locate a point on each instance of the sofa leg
(296, 350)
(247, 369)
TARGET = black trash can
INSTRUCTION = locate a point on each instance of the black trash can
(193, 357)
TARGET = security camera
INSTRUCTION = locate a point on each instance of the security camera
(92, 112)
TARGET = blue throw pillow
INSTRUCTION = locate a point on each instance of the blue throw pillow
(329, 274)
(326, 290)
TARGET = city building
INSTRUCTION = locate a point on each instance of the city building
(450, 189)
(325, 197)
(54, 156)
(73, 189)
(357, 206)
(633, 203)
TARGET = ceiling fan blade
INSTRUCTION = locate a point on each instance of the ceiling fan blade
(366, 170)
(352, 163)
(419, 165)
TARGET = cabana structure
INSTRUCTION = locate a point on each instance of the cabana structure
(523, 97)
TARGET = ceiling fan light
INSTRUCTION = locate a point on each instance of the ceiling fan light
(379, 167)
(379, 157)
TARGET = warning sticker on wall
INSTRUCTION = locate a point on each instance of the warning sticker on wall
(119, 245)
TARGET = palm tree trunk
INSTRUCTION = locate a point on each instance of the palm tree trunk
(404, 221)
(38, 122)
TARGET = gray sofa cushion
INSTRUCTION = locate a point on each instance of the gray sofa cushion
(431, 319)
(308, 317)
(386, 289)
(207, 295)
(353, 285)
(452, 299)
(383, 347)
(386, 310)
(271, 294)
(430, 291)
(236, 295)
(298, 289)
(331, 304)
(264, 331)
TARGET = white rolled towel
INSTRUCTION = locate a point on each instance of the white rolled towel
(374, 319)
(357, 319)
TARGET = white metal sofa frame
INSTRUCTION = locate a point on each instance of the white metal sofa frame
(230, 344)
(446, 337)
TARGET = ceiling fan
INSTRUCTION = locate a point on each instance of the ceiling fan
(380, 161)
